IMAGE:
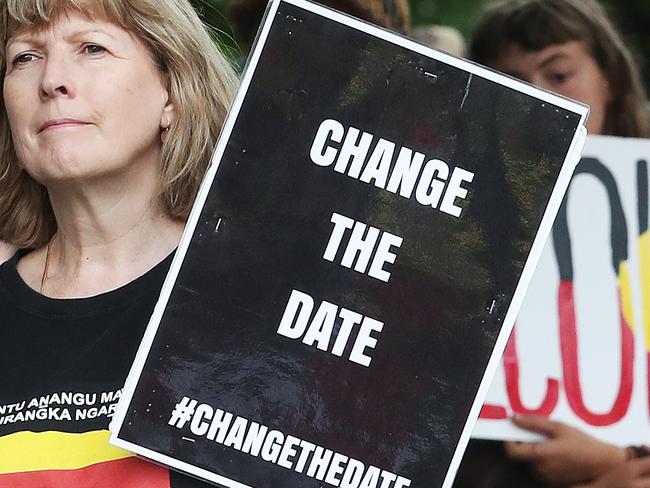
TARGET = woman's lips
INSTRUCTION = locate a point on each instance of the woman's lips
(61, 123)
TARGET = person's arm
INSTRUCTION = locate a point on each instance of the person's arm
(568, 455)
(6, 251)
(633, 474)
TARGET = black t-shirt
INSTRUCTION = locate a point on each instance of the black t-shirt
(62, 367)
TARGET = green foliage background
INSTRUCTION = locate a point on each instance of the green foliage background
(632, 17)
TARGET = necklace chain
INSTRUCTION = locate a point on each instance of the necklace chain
(46, 268)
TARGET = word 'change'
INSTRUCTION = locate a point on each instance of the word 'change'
(434, 183)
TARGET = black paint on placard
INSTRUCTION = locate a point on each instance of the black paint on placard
(618, 232)
(264, 228)
(642, 192)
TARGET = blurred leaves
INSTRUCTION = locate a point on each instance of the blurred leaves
(215, 14)
(631, 17)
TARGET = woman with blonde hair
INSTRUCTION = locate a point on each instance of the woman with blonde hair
(111, 109)
(569, 47)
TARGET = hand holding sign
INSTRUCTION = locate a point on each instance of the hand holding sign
(568, 456)
(633, 474)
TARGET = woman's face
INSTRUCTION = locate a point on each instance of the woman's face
(567, 69)
(84, 100)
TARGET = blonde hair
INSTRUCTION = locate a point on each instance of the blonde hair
(201, 85)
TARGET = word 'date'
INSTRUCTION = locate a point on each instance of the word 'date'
(320, 329)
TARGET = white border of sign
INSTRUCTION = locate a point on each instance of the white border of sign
(570, 162)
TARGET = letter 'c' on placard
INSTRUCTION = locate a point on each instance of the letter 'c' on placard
(329, 130)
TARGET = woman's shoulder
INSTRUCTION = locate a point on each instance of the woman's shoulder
(6, 251)
(11, 284)
(18, 275)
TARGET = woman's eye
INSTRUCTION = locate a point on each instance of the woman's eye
(23, 59)
(560, 76)
(93, 49)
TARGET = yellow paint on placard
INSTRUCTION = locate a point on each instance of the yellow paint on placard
(626, 294)
(644, 252)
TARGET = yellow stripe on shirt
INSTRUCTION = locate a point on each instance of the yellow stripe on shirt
(37, 451)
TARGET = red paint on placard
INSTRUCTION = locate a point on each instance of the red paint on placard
(493, 412)
(569, 350)
(511, 366)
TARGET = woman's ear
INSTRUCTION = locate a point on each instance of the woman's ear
(167, 119)
(168, 115)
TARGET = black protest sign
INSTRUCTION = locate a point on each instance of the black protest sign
(355, 258)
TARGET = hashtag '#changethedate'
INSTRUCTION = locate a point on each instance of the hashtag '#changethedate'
(183, 412)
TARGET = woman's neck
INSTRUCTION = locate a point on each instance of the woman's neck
(6, 251)
(108, 235)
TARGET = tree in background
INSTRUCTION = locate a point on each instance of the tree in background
(215, 14)
(631, 17)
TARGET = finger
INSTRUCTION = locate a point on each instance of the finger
(639, 467)
(641, 483)
(525, 451)
(536, 423)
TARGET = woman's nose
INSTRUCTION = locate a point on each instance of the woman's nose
(57, 77)
(540, 81)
